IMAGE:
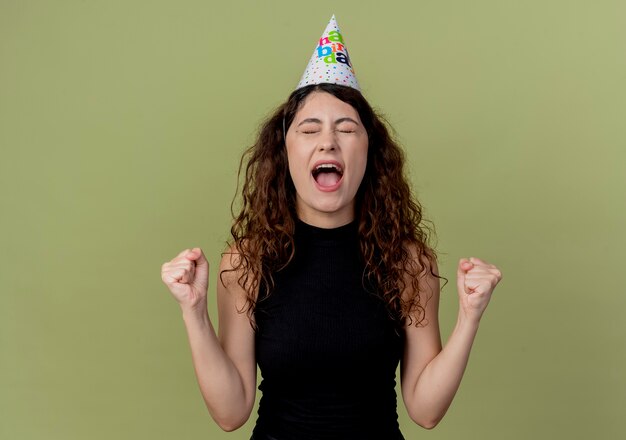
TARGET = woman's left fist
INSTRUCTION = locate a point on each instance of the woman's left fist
(475, 280)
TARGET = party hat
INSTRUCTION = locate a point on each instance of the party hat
(330, 62)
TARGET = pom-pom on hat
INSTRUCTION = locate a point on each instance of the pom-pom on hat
(330, 62)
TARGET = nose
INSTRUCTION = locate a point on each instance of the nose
(328, 141)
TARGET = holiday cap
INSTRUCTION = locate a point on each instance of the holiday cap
(330, 62)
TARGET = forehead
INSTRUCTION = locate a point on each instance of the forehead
(321, 104)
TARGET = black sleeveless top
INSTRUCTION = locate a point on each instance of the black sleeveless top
(326, 346)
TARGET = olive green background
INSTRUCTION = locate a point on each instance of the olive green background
(121, 127)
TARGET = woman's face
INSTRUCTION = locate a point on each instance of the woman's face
(327, 153)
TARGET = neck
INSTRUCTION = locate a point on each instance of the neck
(326, 220)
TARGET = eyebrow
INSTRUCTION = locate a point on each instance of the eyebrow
(338, 121)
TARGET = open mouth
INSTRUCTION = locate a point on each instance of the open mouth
(327, 175)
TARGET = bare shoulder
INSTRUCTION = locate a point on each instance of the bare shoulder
(232, 273)
(230, 269)
(232, 297)
(428, 275)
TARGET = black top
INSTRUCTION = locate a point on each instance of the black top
(325, 345)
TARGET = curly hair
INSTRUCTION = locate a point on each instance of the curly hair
(393, 235)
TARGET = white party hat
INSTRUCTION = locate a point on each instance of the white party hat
(330, 62)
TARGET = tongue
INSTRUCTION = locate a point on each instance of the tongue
(328, 179)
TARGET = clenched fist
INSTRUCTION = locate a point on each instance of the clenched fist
(476, 280)
(187, 277)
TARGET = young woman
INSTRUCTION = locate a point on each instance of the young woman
(328, 284)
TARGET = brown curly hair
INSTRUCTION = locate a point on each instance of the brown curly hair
(394, 237)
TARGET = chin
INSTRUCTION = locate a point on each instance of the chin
(331, 208)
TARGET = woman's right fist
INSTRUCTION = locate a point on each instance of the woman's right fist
(187, 277)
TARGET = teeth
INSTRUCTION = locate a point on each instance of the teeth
(328, 166)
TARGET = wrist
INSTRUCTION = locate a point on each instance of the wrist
(466, 321)
(194, 312)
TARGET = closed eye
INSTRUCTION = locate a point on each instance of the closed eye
(347, 128)
(315, 131)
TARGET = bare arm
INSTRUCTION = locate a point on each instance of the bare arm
(431, 375)
(225, 366)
